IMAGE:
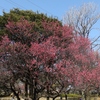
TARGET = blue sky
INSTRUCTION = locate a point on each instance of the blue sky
(55, 8)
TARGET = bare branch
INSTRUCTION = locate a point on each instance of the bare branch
(82, 19)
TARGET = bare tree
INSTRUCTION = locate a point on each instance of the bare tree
(82, 19)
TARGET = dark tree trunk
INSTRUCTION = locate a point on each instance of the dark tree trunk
(35, 92)
(31, 89)
(17, 96)
(47, 91)
(65, 96)
(85, 95)
(47, 98)
(53, 98)
(15, 93)
(60, 97)
(26, 89)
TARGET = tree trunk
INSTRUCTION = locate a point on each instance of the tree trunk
(35, 92)
(53, 98)
(26, 89)
(31, 89)
(47, 92)
(65, 96)
(17, 96)
(34, 97)
(60, 97)
(14, 91)
(47, 98)
(85, 96)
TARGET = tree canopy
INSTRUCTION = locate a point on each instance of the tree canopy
(16, 14)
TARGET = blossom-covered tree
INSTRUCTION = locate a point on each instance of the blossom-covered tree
(47, 64)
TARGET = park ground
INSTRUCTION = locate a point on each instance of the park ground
(9, 98)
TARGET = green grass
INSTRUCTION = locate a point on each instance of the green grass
(71, 95)
(74, 95)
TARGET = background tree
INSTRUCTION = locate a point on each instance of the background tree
(16, 14)
(84, 18)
